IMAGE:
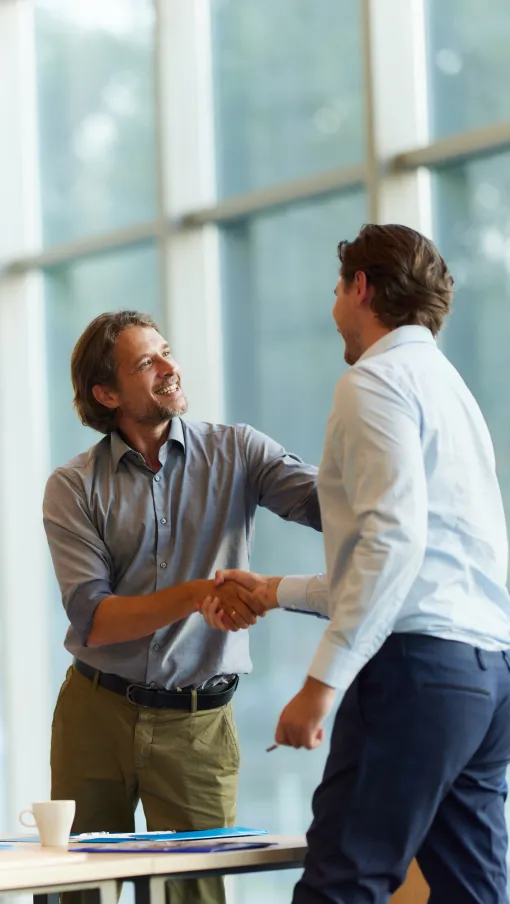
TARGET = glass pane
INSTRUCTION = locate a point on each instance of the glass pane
(75, 294)
(96, 115)
(469, 64)
(283, 359)
(472, 204)
(288, 90)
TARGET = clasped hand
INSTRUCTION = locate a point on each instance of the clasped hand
(240, 598)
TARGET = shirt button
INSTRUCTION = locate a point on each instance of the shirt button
(156, 478)
(162, 565)
(156, 647)
(163, 520)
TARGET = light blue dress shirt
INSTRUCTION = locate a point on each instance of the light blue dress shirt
(413, 520)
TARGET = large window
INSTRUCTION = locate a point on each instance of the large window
(200, 160)
(96, 115)
(288, 90)
(469, 63)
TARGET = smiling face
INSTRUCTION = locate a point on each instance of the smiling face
(148, 380)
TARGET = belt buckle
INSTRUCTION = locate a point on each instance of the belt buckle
(132, 687)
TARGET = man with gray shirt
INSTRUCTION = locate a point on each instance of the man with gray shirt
(137, 527)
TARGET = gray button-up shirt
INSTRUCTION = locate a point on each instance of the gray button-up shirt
(116, 527)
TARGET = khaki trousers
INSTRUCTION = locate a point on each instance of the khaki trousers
(108, 754)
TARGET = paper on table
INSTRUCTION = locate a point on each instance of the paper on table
(170, 847)
(205, 834)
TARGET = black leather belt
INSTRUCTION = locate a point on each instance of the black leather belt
(156, 698)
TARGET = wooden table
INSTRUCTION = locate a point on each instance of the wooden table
(45, 872)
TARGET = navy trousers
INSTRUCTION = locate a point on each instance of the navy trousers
(417, 765)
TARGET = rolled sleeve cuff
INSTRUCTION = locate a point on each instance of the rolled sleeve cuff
(83, 604)
(335, 665)
(304, 593)
(292, 592)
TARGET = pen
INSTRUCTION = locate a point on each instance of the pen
(273, 747)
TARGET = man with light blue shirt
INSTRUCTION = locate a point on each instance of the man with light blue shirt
(417, 649)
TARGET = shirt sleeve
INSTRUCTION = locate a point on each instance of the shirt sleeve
(305, 593)
(280, 481)
(375, 443)
(80, 558)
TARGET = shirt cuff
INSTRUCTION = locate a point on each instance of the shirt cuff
(292, 592)
(335, 665)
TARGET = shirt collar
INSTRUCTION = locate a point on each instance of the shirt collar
(401, 336)
(119, 448)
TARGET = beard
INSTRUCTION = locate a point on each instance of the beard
(159, 412)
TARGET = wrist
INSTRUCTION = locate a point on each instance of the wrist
(317, 688)
(198, 590)
(272, 592)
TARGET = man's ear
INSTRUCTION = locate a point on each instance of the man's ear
(365, 291)
(105, 396)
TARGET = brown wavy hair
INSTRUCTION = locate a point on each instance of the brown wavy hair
(411, 280)
(93, 362)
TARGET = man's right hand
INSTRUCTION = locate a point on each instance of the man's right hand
(255, 593)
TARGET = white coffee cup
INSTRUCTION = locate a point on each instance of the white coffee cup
(54, 819)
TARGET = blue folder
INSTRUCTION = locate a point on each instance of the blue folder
(114, 838)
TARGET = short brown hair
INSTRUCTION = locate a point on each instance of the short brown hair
(411, 280)
(93, 362)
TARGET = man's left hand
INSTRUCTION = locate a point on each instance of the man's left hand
(301, 721)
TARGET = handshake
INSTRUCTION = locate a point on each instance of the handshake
(238, 599)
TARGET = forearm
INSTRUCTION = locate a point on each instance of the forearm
(118, 619)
